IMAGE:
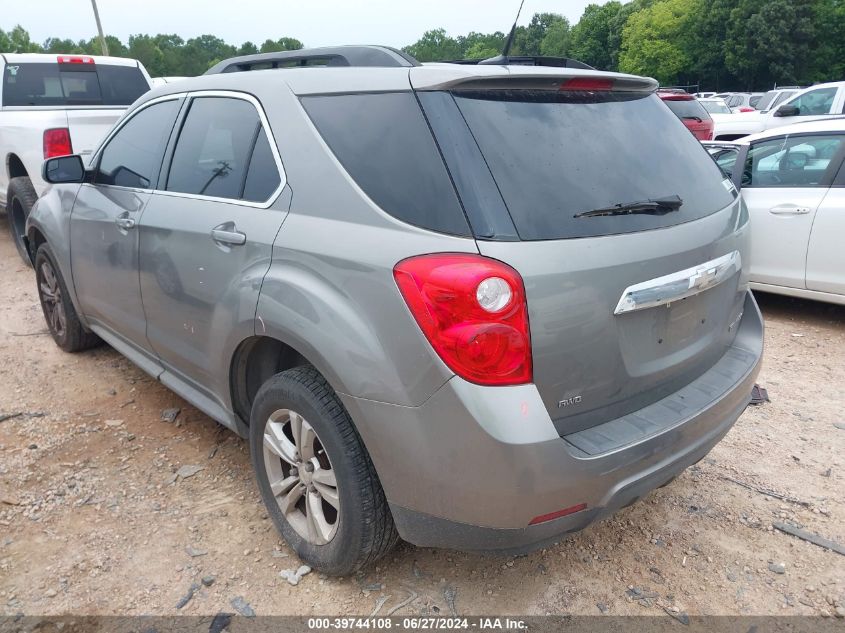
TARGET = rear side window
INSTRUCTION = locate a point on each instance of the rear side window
(71, 84)
(384, 143)
(691, 108)
(214, 150)
(555, 154)
(132, 157)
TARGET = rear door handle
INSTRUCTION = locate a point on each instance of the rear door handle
(228, 234)
(789, 209)
(124, 222)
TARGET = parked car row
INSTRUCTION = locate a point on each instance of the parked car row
(503, 302)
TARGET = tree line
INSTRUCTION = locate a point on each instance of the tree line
(716, 44)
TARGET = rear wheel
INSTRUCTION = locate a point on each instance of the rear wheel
(20, 199)
(315, 476)
(61, 317)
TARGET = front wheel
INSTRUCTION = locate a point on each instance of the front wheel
(62, 320)
(315, 476)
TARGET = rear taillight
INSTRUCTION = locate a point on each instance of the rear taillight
(57, 142)
(747, 109)
(473, 312)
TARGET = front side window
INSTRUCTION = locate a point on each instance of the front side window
(815, 102)
(132, 157)
(214, 151)
(798, 161)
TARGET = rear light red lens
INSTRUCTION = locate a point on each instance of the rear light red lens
(556, 515)
(57, 142)
(587, 83)
(482, 346)
(74, 59)
(746, 109)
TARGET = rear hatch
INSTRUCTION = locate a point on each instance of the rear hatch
(92, 94)
(624, 308)
(692, 113)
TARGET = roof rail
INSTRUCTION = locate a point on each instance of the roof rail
(525, 60)
(335, 56)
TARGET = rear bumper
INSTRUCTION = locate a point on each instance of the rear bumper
(471, 467)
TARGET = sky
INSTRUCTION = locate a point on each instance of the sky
(321, 23)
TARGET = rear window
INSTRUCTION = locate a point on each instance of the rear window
(554, 155)
(715, 107)
(385, 145)
(687, 108)
(74, 84)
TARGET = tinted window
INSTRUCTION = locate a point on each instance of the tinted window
(121, 85)
(815, 102)
(687, 108)
(262, 178)
(71, 84)
(780, 98)
(384, 143)
(555, 155)
(214, 147)
(753, 101)
(797, 161)
(132, 157)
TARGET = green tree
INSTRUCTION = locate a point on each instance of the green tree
(557, 42)
(282, 44)
(59, 46)
(591, 35)
(828, 54)
(435, 45)
(706, 41)
(653, 41)
(145, 50)
(771, 41)
(17, 41)
(528, 39)
(247, 48)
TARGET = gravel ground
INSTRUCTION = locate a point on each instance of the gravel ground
(107, 509)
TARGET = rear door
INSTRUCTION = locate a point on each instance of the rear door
(825, 255)
(207, 236)
(104, 221)
(786, 179)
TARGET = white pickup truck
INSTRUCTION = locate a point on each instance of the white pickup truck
(817, 102)
(52, 105)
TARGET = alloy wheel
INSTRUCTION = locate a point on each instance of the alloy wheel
(51, 298)
(301, 476)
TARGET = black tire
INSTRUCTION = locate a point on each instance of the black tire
(53, 294)
(365, 530)
(20, 199)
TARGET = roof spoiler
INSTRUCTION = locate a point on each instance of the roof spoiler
(333, 56)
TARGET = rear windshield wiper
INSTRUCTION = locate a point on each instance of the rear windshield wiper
(693, 118)
(655, 206)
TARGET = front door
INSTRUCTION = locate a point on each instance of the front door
(826, 255)
(207, 238)
(104, 222)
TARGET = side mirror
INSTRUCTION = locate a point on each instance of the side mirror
(63, 169)
(787, 110)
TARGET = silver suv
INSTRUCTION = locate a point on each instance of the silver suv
(473, 307)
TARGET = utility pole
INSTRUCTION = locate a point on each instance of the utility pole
(103, 44)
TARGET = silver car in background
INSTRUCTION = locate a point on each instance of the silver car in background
(473, 307)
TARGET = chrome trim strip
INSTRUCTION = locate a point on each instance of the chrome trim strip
(232, 94)
(680, 285)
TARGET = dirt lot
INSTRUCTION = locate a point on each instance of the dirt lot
(93, 520)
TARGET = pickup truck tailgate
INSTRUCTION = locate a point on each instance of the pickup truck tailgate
(89, 126)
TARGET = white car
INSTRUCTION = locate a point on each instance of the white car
(743, 101)
(793, 183)
(820, 101)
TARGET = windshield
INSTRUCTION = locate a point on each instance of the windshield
(555, 154)
(716, 107)
(52, 85)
